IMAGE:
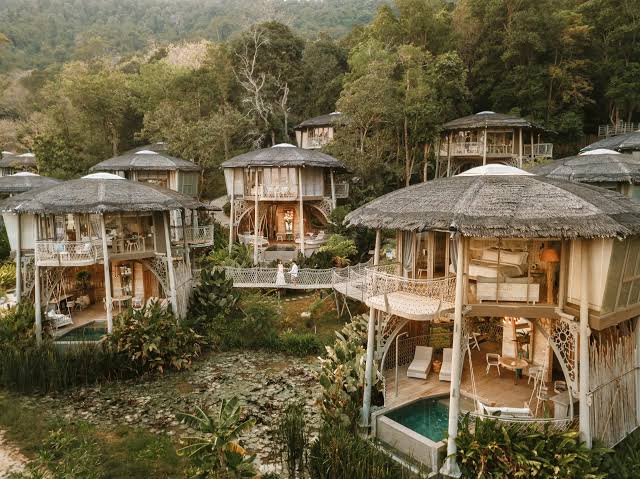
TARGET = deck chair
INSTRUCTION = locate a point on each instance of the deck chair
(421, 364)
(445, 369)
(518, 412)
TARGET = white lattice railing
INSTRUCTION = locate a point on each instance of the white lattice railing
(67, 253)
(266, 278)
(200, 235)
(540, 150)
(564, 424)
(380, 282)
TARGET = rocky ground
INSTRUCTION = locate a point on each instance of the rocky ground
(265, 382)
(11, 460)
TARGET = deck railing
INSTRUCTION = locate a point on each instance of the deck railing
(380, 282)
(200, 235)
(267, 278)
(540, 150)
(562, 424)
(67, 253)
(619, 128)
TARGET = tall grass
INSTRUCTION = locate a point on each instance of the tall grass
(291, 435)
(49, 368)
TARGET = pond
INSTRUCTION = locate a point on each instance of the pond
(93, 331)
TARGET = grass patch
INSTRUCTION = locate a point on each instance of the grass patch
(77, 449)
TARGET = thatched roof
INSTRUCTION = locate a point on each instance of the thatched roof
(626, 142)
(525, 206)
(323, 120)
(25, 160)
(283, 155)
(596, 166)
(98, 193)
(150, 157)
(21, 182)
(488, 119)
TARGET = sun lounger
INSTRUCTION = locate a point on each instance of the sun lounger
(445, 369)
(421, 364)
(516, 412)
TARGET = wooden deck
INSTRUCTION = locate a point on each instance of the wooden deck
(491, 389)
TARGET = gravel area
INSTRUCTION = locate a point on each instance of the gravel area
(11, 460)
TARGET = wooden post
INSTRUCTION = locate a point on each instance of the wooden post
(232, 213)
(185, 243)
(585, 408)
(376, 250)
(637, 374)
(484, 147)
(520, 148)
(38, 304)
(371, 344)
(256, 218)
(562, 279)
(450, 467)
(449, 155)
(19, 261)
(301, 219)
(107, 274)
(532, 154)
(333, 191)
(170, 270)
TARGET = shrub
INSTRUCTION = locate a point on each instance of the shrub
(216, 452)
(291, 436)
(339, 453)
(47, 368)
(342, 375)
(259, 324)
(17, 326)
(300, 344)
(214, 296)
(624, 463)
(340, 249)
(241, 256)
(153, 340)
(7, 275)
(492, 449)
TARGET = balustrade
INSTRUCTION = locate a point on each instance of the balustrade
(68, 253)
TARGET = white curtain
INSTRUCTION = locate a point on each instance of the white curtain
(408, 251)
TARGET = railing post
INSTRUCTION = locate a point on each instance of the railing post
(583, 371)
(19, 261)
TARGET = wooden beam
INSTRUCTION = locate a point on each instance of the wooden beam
(232, 213)
(19, 261)
(107, 274)
(532, 311)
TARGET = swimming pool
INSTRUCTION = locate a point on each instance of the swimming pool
(429, 417)
(93, 331)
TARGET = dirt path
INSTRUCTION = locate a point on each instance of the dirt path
(11, 460)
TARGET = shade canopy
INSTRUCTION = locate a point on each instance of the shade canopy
(21, 182)
(323, 120)
(146, 158)
(24, 160)
(283, 155)
(489, 119)
(596, 166)
(98, 193)
(524, 206)
(627, 142)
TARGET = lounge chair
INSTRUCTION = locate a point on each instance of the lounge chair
(421, 364)
(518, 412)
(445, 369)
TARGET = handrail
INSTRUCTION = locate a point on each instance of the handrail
(382, 282)
(68, 252)
(562, 424)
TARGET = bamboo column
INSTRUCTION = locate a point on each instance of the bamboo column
(256, 218)
(108, 301)
(585, 409)
(449, 155)
(232, 213)
(38, 304)
(484, 147)
(19, 261)
(170, 270)
(333, 191)
(450, 467)
(520, 148)
(301, 219)
(185, 243)
(371, 344)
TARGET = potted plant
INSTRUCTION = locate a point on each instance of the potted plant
(82, 279)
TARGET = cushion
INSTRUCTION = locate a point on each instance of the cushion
(506, 257)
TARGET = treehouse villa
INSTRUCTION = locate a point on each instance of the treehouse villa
(86, 249)
(281, 198)
(11, 163)
(514, 295)
(316, 133)
(486, 138)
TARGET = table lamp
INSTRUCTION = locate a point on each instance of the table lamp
(550, 256)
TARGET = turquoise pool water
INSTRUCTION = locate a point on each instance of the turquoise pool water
(428, 417)
(88, 332)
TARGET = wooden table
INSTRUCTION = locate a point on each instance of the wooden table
(513, 364)
(120, 300)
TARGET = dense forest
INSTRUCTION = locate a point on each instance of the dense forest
(217, 78)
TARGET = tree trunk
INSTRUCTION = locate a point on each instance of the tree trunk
(408, 166)
(273, 137)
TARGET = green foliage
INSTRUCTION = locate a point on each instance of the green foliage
(340, 249)
(492, 449)
(624, 463)
(17, 326)
(213, 296)
(299, 344)
(153, 340)
(7, 275)
(291, 436)
(5, 247)
(241, 256)
(216, 453)
(342, 375)
(339, 453)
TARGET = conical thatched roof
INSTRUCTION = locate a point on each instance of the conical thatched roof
(526, 206)
(323, 120)
(596, 166)
(626, 142)
(283, 155)
(98, 193)
(21, 182)
(488, 119)
(150, 157)
(25, 160)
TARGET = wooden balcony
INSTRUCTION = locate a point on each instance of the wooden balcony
(200, 235)
(68, 253)
(619, 128)
(540, 150)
